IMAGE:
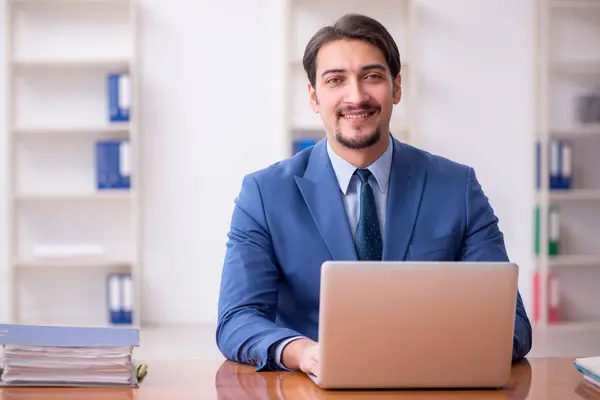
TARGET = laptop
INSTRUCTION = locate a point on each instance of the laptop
(416, 325)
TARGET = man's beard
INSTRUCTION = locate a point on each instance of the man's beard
(360, 142)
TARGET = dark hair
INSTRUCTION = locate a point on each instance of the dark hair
(352, 26)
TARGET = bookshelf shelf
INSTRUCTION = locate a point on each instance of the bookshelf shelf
(62, 64)
(575, 4)
(581, 132)
(574, 261)
(89, 262)
(97, 196)
(303, 18)
(576, 326)
(567, 188)
(572, 195)
(577, 67)
(73, 204)
(67, 2)
(69, 130)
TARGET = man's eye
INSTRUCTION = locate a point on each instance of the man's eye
(334, 80)
(374, 76)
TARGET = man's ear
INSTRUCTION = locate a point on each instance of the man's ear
(397, 88)
(314, 101)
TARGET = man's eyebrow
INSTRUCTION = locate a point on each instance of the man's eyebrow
(364, 68)
(332, 71)
(373, 66)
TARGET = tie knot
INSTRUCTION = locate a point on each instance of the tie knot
(363, 174)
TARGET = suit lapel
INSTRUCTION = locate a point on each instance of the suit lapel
(404, 199)
(320, 190)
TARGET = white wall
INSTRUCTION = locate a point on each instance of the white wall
(4, 311)
(477, 105)
(211, 114)
(212, 111)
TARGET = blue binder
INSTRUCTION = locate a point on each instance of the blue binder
(566, 165)
(113, 164)
(301, 144)
(538, 165)
(560, 165)
(555, 164)
(119, 97)
(120, 298)
(127, 299)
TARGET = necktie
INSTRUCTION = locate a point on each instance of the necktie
(368, 235)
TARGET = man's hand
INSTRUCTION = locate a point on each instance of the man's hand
(303, 355)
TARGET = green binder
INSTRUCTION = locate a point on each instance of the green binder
(553, 231)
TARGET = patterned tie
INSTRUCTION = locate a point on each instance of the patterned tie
(368, 235)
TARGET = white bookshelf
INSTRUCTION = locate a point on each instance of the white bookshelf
(568, 66)
(302, 19)
(59, 53)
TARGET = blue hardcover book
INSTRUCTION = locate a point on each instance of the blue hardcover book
(119, 97)
(113, 165)
(67, 336)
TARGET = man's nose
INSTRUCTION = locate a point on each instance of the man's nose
(356, 93)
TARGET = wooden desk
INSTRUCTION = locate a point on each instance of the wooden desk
(544, 379)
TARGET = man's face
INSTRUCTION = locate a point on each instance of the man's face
(355, 92)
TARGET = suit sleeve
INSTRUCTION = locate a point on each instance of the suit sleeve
(483, 241)
(246, 331)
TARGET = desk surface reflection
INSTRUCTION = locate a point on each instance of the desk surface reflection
(541, 378)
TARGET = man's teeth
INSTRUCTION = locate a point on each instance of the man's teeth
(358, 115)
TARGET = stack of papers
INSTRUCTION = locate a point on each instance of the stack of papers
(67, 356)
(590, 369)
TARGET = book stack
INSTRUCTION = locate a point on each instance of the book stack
(67, 356)
(589, 367)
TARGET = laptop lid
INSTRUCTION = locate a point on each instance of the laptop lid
(416, 324)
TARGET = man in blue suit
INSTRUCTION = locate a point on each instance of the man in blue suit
(359, 194)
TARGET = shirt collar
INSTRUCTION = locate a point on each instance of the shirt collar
(344, 170)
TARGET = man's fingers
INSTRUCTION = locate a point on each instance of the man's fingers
(315, 370)
(311, 366)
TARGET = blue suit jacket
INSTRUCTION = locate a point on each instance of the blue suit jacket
(289, 218)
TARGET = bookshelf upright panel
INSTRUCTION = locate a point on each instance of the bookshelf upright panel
(567, 215)
(72, 97)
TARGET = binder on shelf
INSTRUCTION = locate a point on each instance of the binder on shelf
(566, 164)
(127, 305)
(555, 164)
(560, 159)
(119, 97)
(553, 231)
(301, 144)
(538, 165)
(113, 164)
(120, 298)
(553, 297)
